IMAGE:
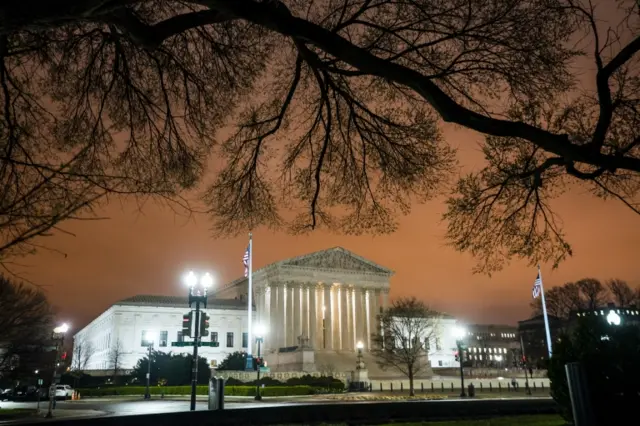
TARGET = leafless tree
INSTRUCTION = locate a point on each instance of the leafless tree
(584, 294)
(623, 295)
(115, 358)
(408, 325)
(334, 107)
(83, 351)
(25, 323)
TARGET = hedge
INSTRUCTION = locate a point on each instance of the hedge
(203, 390)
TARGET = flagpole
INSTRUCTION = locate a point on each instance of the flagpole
(544, 313)
(250, 341)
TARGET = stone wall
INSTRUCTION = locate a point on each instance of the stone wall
(247, 376)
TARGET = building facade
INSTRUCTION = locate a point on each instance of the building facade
(118, 335)
(492, 345)
(316, 309)
(533, 335)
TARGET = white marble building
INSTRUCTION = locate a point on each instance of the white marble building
(122, 328)
(317, 307)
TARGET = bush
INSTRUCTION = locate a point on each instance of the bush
(200, 390)
(611, 367)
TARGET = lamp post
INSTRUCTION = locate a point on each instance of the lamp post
(460, 333)
(260, 331)
(197, 296)
(150, 338)
(359, 363)
(58, 337)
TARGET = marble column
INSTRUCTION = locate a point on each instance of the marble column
(385, 299)
(291, 327)
(372, 308)
(335, 322)
(280, 322)
(344, 317)
(296, 291)
(328, 317)
(359, 311)
(312, 319)
(304, 310)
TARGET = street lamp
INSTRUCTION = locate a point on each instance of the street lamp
(58, 337)
(613, 318)
(260, 331)
(150, 338)
(197, 296)
(460, 334)
(359, 346)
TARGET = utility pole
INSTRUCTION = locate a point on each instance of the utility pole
(194, 363)
(196, 296)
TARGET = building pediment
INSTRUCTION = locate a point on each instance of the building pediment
(336, 258)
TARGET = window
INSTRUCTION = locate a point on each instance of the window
(180, 337)
(427, 344)
(214, 336)
(245, 340)
(164, 336)
(143, 341)
(230, 340)
(440, 363)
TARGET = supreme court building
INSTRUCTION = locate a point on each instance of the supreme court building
(316, 307)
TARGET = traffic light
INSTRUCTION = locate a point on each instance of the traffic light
(257, 362)
(187, 321)
(204, 324)
(63, 356)
(457, 356)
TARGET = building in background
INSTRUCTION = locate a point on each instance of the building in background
(610, 314)
(534, 338)
(117, 335)
(492, 345)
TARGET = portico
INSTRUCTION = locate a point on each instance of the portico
(327, 300)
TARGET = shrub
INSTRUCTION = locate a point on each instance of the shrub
(200, 390)
(609, 356)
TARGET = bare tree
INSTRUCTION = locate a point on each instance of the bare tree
(594, 294)
(623, 295)
(115, 358)
(25, 323)
(127, 96)
(83, 351)
(408, 325)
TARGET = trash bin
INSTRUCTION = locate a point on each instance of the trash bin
(471, 390)
(216, 393)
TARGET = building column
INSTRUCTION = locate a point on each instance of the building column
(372, 309)
(291, 337)
(296, 291)
(311, 317)
(385, 299)
(328, 317)
(281, 324)
(359, 310)
(344, 317)
(304, 309)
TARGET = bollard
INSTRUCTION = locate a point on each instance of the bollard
(422, 386)
(432, 389)
(499, 387)
(508, 387)
(391, 387)
(490, 387)
(401, 387)
(442, 386)
(534, 386)
(380, 386)
(542, 385)
(451, 386)
(480, 386)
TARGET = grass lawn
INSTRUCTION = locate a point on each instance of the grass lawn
(536, 420)
(13, 413)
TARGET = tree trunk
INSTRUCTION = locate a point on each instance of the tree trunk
(411, 392)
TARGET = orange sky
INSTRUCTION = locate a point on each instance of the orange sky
(135, 253)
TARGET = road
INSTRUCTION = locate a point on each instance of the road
(128, 406)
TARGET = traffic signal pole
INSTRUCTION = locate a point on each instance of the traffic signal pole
(194, 369)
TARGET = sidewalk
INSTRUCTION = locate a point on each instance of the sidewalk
(60, 413)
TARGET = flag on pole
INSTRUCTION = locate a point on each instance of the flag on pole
(245, 261)
(537, 287)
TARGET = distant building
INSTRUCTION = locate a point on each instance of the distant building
(534, 337)
(492, 345)
(611, 314)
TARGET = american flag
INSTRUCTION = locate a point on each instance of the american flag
(245, 261)
(537, 287)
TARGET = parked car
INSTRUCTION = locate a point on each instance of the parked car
(25, 393)
(6, 394)
(64, 391)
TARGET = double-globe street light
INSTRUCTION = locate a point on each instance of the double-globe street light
(150, 338)
(197, 295)
(58, 337)
(260, 331)
(460, 333)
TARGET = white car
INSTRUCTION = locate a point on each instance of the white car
(64, 391)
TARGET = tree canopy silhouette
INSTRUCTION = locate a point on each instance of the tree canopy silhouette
(334, 107)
